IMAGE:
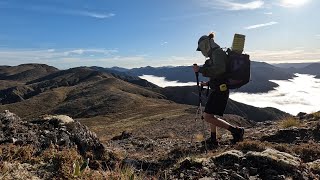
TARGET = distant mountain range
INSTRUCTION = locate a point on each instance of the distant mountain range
(313, 69)
(97, 95)
(261, 73)
(293, 65)
(304, 68)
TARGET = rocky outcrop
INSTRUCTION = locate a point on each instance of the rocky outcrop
(295, 135)
(48, 148)
(233, 164)
(60, 130)
(266, 153)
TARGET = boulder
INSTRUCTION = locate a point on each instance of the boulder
(314, 166)
(273, 158)
(58, 130)
(228, 158)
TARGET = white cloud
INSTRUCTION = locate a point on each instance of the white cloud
(107, 58)
(268, 13)
(93, 14)
(292, 55)
(292, 3)
(162, 82)
(66, 58)
(293, 96)
(164, 43)
(231, 5)
(261, 25)
(83, 51)
(67, 11)
(19, 56)
(318, 36)
(120, 61)
(297, 95)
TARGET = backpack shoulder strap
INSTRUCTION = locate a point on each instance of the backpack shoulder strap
(213, 49)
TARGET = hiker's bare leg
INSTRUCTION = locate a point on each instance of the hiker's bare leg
(237, 132)
(210, 118)
(213, 132)
(213, 128)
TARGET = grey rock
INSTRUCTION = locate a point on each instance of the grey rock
(301, 114)
(228, 158)
(253, 171)
(274, 158)
(253, 178)
(237, 176)
(207, 170)
(43, 131)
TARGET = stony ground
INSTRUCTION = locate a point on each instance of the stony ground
(271, 150)
(48, 147)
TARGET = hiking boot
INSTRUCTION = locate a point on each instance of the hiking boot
(210, 143)
(237, 135)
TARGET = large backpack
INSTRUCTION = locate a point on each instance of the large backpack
(238, 69)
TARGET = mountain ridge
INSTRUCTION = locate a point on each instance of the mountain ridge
(103, 101)
(261, 73)
(74, 78)
(25, 72)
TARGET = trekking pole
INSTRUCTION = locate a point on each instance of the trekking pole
(199, 111)
(199, 88)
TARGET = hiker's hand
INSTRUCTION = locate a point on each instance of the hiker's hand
(204, 83)
(196, 68)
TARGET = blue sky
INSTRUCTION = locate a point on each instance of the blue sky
(158, 33)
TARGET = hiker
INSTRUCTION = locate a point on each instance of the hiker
(215, 69)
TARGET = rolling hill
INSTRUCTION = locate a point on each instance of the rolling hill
(121, 74)
(109, 104)
(11, 76)
(25, 72)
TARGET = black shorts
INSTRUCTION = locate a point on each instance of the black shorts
(217, 102)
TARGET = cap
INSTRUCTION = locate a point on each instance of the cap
(201, 39)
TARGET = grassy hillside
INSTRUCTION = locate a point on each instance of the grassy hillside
(109, 104)
(25, 72)
(101, 100)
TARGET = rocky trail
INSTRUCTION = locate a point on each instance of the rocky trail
(47, 147)
(268, 152)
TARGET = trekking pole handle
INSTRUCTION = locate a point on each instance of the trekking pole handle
(197, 73)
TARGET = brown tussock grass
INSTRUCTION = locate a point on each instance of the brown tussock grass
(248, 145)
(289, 122)
(306, 151)
(61, 163)
(316, 115)
(199, 137)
